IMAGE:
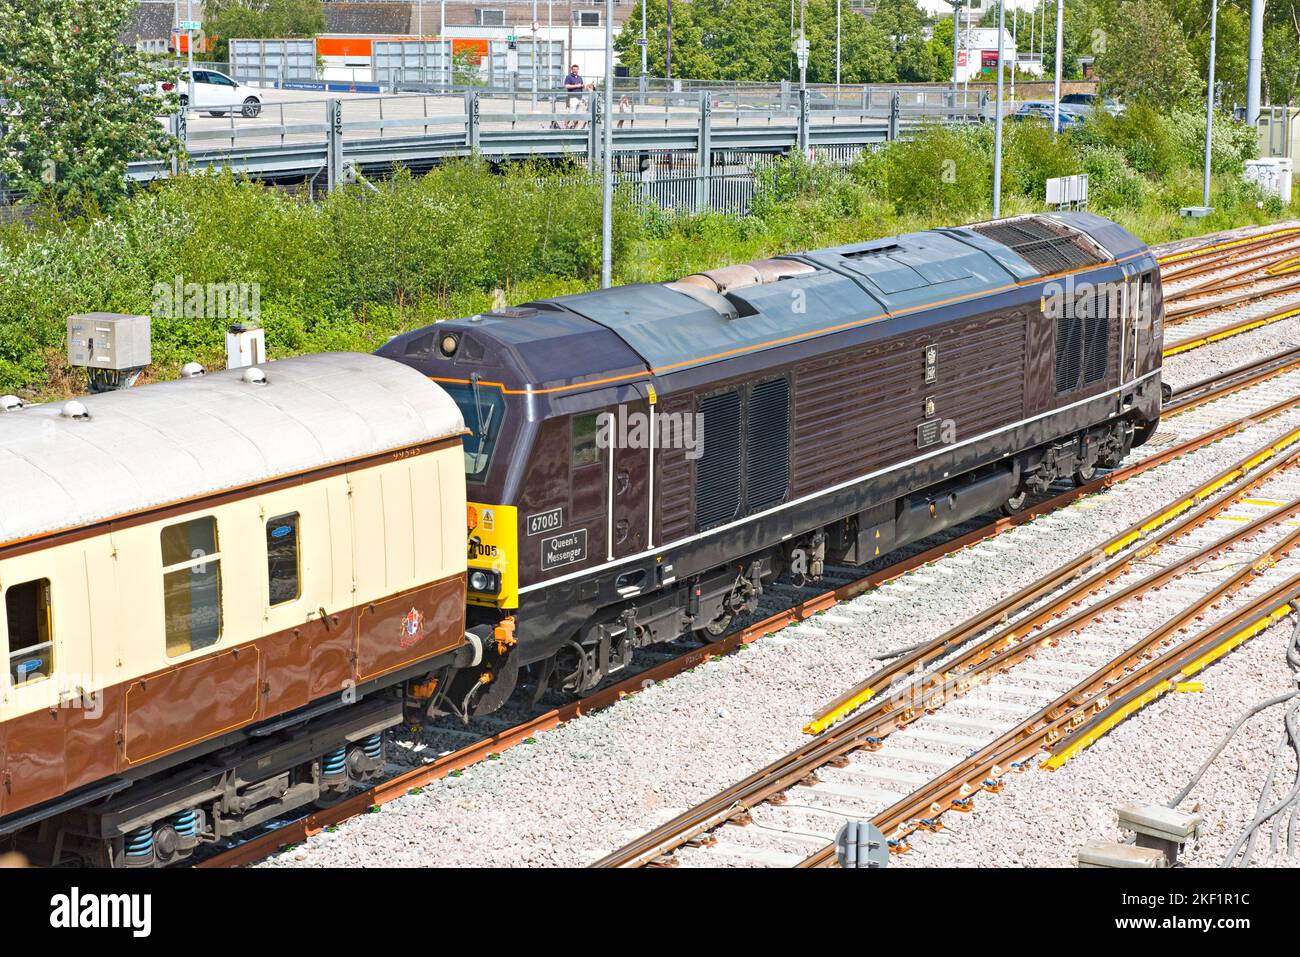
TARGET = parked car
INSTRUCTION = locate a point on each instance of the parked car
(216, 94)
(1090, 101)
(1043, 110)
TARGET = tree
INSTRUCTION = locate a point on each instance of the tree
(226, 20)
(76, 104)
(690, 58)
(1143, 55)
(1282, 57)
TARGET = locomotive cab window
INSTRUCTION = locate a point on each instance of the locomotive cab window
(585, 450)
(482, 408)
(31, 631)
(191, 561)
(282, 565)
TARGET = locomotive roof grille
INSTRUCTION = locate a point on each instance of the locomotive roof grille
(1047, 247)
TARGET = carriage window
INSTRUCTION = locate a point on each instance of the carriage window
(31, 631)
(585, 450)
(191, 585)
(282, 558)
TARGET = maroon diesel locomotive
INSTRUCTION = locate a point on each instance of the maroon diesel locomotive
(642, 461)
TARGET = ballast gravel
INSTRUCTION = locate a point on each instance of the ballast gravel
(584, 789)
(1041, 818)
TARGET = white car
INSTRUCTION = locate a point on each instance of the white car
(216, 93)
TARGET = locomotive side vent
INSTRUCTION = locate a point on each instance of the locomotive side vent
(1082, 343)
(717, 471)
(1047, 247)
(768, 448)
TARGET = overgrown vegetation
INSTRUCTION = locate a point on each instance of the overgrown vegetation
(358, 266)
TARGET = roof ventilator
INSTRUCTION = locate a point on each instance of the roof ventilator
(714, 288)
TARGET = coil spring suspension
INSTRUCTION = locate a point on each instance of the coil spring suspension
(186, 823)
(335, 763)
(373, 747)
(138, 844)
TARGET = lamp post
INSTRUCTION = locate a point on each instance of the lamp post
(801, 50)
(956, 32)
(668, 42)
(645, 42)
(1056, 89)
(837, 46)
(1254, 60)
(1209, 106)
(607, 157)
(997, 113)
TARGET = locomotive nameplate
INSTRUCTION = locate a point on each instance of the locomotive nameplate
(928, 433)
(564, 549)
(547, 521)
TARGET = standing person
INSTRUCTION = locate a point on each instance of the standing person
(573, 86)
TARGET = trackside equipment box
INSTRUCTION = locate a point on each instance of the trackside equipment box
(108, 340)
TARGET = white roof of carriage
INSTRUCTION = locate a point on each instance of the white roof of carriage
(157, 444)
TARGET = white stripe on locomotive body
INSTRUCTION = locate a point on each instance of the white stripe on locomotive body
(835, 488)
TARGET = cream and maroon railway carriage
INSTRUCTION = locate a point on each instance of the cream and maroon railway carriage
(214, 590)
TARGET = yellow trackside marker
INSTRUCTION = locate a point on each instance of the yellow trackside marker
(1156, 691)
(1182, 254)
(1189, 686)
(1187, 345)
(820, 724)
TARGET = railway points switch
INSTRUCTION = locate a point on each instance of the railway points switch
(1161, 828)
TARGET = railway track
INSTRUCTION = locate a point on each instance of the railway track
(1037, 681)
(801, 607)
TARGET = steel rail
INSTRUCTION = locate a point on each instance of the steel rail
(1233, 260)
(1227, 332)
(994, 652)
(1227, 248)
(1178, 316)
(1198, 393)
(1064, 726)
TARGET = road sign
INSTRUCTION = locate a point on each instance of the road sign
(191, 25)
(860, 844)
(641, 43)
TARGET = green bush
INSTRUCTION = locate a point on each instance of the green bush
(364, 263)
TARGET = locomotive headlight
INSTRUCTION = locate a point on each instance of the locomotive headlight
(483, 580)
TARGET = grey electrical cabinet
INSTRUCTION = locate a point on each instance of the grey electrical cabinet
(108, 340)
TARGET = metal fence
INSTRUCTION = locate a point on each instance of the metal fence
(272, 62)
(703, 131)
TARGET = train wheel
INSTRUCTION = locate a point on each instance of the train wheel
(1015, 503)
(715, 629)
(1085, 474)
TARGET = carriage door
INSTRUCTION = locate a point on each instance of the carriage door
(631, 439)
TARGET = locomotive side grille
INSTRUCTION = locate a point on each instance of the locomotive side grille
(1047, 247)
(717, 470)
(767, 463)
(1082, 342)
(673, 508)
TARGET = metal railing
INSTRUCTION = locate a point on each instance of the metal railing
(337, 139)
